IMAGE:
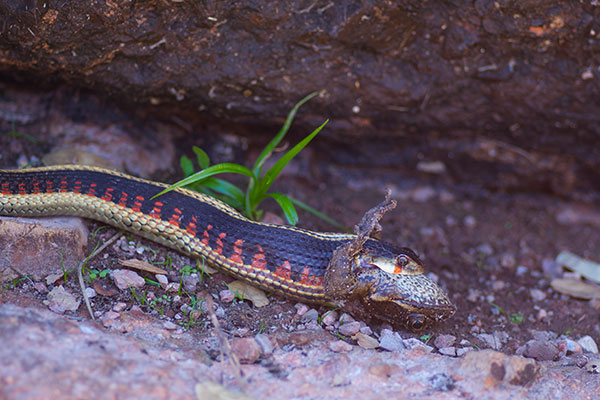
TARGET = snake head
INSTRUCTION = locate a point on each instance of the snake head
(393, 287)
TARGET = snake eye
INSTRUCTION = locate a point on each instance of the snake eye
(416, 322)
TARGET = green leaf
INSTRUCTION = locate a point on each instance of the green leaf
(210, 171)
(266, 153)
(187, 167)
(202, 157)
(271, 174)
(286, 205)
(228, 190)
(319, 214)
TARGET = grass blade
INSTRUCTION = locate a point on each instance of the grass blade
(271, 174)
(210, 171)
(202, 157)
(282, 132)
(319, 214)
(187, 166)
(287, 206)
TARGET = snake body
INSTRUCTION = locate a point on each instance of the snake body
(282, 259)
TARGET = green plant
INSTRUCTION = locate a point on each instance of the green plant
(16, 134)
(94, 274)
(259, 184)
(426, 338)
(516, 318)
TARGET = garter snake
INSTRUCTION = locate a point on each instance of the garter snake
(390, 281)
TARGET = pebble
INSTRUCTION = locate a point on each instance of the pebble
(551, 268)
(190, 282)
(247, 350)
(414, 343)
(349, 328)
(537, 294)
(485, 249)
(339, 346)
(301, 309)
(444, 341)
(495, 340)
(330, 317)
(508, 260)
(265, 343)
(539, 350)
(463, 350)
(448, 351)
(588, 344)
(346, 318)
(365, 341)
(90, 292)
(124, 279)
(521, 270)
(120, 306)
(310, 315)
(391, 341)
(573, 347)
(366, 330)
(40, 287)
(162, 279)
(60, 300)
(170, 326)
(226, 296)
(469, 221)
(423, 194)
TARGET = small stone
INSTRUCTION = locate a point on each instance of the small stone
(521, 270)
(90, 293)
(463, 350)
(423, 194)
(350, 328)
(508, 260)
(40, 287)
(469, 221)
(450, 220)
(588, 344)
(226, 296)
(366, 330)
(365, 341)
(537, 294)
(301, 309)
(573, 347)
(542, 313)
(162, 279)
(391, 341)
(541, 351)
(60, 300)
(247, 350)
(190, 282)
(168, 325)
(448, 351)
(498, 285)
(339, 346)
(485, 249)
(120, 306)
(125, 279)
(414, 343)
(310, 315)
(329, 318)
(265, 343)
(474, 295)
(551, 268)
(444, 341)
(345, 317)
(495, 340)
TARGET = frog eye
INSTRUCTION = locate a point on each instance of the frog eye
(416, 322)
(402, 261)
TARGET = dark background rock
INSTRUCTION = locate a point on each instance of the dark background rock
(504, 93)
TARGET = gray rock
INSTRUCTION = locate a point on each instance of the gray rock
(444, 341)
(60, 300)
(391, 341)
(350, 328)
(588, 344)
(125, 279)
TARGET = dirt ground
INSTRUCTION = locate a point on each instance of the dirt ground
(486, 249)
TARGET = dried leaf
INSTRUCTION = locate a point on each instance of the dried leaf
(249, 292)
(586, 268)
(143, 266)
(576, 288)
